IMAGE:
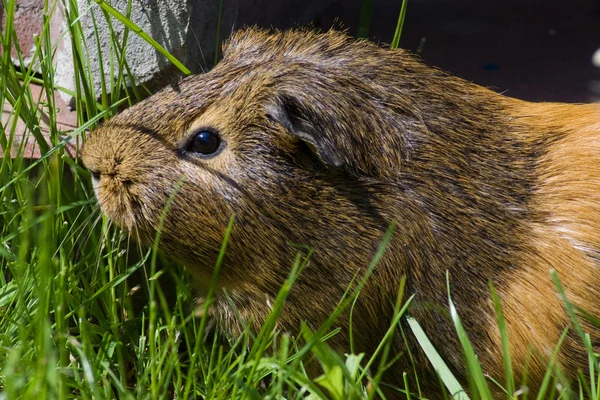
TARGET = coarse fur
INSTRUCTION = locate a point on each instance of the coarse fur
(328, 140)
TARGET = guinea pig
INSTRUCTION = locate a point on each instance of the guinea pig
(321, 140)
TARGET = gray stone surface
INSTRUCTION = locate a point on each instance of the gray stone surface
(165, 21)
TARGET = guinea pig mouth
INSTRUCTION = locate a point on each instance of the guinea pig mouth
(117, 202)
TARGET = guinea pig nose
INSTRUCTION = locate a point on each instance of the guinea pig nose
(95, 175)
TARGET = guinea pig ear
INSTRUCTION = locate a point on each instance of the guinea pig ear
(301, 123)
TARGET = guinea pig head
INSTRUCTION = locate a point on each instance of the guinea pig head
(268, 137)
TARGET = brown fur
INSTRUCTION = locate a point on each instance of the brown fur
(328, 141)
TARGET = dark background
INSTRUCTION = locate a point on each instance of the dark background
(530, 49)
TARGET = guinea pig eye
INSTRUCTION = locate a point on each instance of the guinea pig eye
(204, 142)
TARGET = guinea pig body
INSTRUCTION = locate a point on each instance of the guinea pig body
(315, 139)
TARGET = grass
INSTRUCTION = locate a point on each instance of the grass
(86, 313)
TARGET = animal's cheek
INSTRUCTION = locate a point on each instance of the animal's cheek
(195, 222)
(209, 193)
(206, 199)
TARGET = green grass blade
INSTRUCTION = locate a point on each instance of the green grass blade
(454, 387)
(399, 26)
(473, 367)
(508, 371)
(542, 394)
